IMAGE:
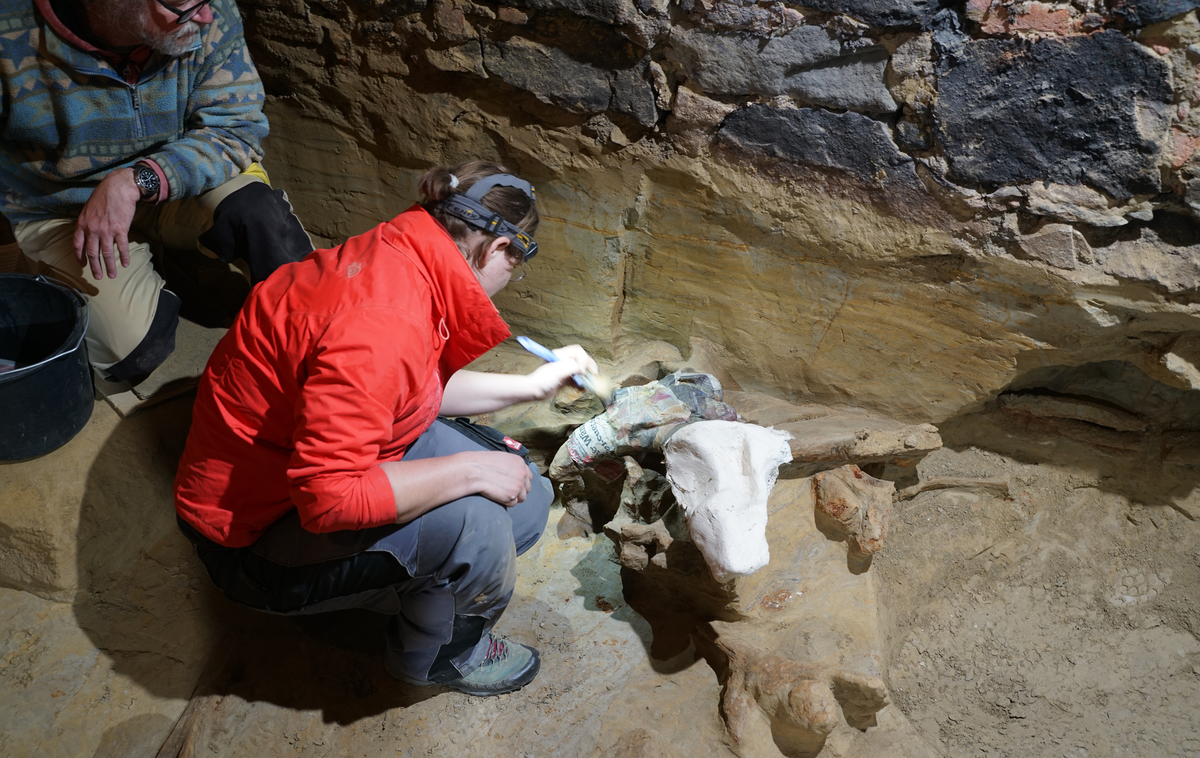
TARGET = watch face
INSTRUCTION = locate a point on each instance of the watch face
(147, 181)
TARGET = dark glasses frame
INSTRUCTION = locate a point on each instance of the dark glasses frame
(184, 16)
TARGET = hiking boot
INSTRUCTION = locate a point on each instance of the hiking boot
(507, 667)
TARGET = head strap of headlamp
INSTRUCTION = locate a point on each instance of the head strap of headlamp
(468, 207)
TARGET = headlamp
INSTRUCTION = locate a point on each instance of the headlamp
(468, 207)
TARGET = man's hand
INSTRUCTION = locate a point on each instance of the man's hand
(102, 231)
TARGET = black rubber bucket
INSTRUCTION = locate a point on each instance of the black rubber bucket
(45, 380)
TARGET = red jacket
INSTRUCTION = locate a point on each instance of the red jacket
(334, 365)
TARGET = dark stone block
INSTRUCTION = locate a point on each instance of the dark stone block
(607, 11)
(880, 13)
(587, 40)
(911, 136)
(727, 64)
(633, 96)
(1134, 14)
(949, 37)
(1063, 110)
(807, 63)
(847, 141)
(549, 74)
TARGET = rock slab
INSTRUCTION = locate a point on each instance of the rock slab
(1086, 108)
(847, 141)
(807, 64)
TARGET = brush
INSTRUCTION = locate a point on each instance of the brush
(597, 385)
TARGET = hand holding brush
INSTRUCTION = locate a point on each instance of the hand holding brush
(598, 385)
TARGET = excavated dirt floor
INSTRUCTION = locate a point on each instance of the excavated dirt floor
(149, 659)
(1060, 621)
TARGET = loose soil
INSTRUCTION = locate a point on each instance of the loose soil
(1060, 621)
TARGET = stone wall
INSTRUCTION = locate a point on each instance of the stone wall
(883, 202)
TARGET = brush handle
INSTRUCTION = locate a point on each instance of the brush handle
(541, 352)
(548, 356)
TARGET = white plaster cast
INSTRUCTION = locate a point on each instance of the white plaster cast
(722, 473)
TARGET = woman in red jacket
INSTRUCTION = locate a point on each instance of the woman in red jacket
(315, 477)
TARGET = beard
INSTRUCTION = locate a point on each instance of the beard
(110, 16)
(175, 43)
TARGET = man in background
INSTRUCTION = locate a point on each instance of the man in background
(126, 123)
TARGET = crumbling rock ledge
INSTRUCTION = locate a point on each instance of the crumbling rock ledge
(824, 437)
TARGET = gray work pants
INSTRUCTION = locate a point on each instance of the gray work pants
(445, 577)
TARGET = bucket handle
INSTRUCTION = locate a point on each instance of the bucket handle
(87, 320)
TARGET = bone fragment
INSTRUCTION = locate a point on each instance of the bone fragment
(804, 699)
(642, 544)
(860, 503)
(997, 486)
(1052, 406)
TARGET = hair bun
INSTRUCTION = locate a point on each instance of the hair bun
(437, 184)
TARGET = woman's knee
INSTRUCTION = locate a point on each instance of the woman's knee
(471, 530)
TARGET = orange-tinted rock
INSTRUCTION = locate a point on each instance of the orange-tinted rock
(511, 15)
(1184, 145)
(859, 504)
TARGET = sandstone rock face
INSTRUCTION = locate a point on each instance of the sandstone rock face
(879, 203)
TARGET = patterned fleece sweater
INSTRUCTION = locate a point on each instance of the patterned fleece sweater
(68, 117)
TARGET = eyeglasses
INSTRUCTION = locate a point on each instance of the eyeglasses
(184, 15)
(520, 276)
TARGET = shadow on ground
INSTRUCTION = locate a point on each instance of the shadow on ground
(1154, 459)
(146, 601)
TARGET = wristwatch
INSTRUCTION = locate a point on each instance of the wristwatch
(146, 179)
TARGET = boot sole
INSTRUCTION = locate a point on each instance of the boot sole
(503, 687)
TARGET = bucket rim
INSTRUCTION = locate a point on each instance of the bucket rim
(18, 373)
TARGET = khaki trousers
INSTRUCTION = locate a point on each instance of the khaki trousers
(122, 309)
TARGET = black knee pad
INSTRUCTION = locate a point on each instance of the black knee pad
(154, 348)
(256, 224)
